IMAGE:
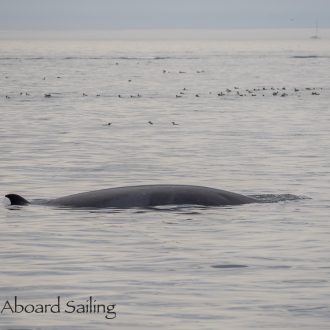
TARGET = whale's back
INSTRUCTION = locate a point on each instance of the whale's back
(152, 195)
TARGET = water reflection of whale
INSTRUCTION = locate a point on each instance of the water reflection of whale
(143, 196)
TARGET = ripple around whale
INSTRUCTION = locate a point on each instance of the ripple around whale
(275, 198)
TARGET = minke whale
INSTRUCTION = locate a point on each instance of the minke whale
(143, 196)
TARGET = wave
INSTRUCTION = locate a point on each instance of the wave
(229, 266)
(128, 58)
(22, 58)
(309, 56)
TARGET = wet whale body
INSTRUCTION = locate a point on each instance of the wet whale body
(143, 196)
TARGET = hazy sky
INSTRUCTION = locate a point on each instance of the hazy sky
(106, 14)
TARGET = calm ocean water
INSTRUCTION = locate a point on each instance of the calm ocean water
(253, 117)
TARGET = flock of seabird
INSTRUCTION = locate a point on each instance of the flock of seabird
(228, 92)
(236, 91)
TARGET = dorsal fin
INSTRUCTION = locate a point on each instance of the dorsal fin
(17, 199)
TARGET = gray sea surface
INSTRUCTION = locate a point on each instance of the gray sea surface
(250, 116)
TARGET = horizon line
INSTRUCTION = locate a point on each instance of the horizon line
(168, 33)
